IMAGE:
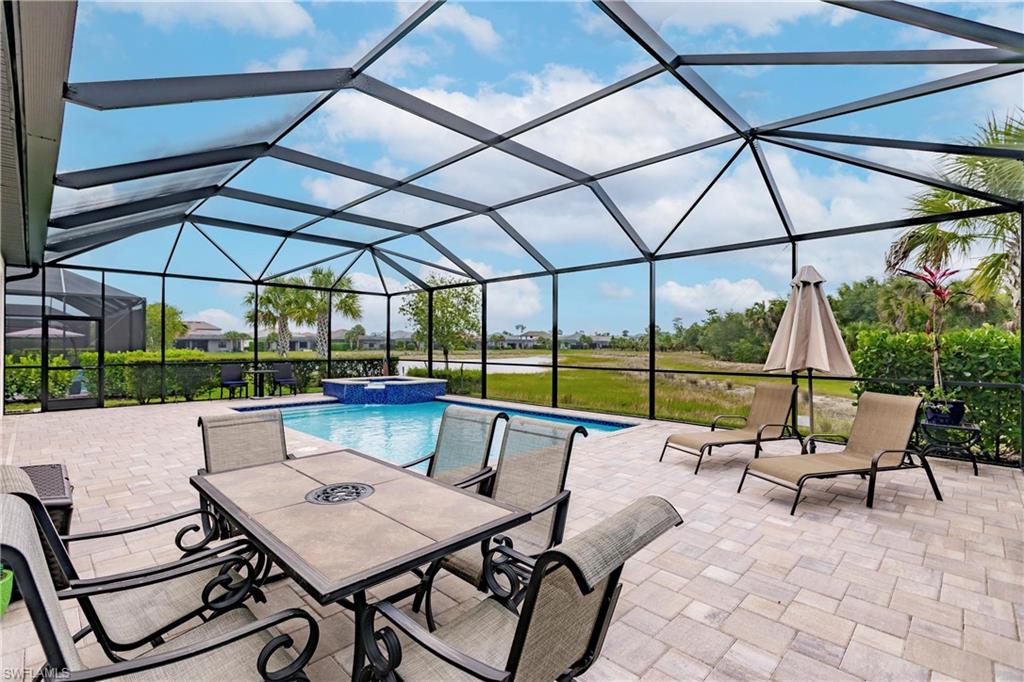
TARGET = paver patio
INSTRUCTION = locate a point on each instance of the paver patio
(911, 590)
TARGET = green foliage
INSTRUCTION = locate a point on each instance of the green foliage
(460, 381)
(27, 384)
(456, 315)
(939, 244)
(986, 354)
(173, 325)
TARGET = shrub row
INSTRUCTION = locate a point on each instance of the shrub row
(984, 354)
(136, 375)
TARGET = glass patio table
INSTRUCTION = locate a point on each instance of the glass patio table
(341, 522)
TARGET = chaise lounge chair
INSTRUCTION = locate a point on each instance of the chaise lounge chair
(768, 421)
(546, 620)
(463, 444)
(879, 441)
(531, 472)
(232, 646)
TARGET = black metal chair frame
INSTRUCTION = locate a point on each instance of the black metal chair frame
(56, 667)
(871, 472)
(787, 433)
(239, 556)
(232, 384)
(485, 479)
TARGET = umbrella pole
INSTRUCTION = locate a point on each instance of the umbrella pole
(810, 397)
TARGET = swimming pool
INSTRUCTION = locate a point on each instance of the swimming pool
(395, 433)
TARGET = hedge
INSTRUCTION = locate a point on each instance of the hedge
(136, 375)
(26, 384)
(984, 354)
(460, 382)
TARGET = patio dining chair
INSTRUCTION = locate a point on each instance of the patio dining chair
(463, 444)
(284, 377)
(147, 603)
(231, 378)
(531, 471)
(768, 421)
(546, 619)
(879, 441)
(241, 439)
(232, 646)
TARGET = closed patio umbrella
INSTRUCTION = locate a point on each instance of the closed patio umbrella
(808, 337)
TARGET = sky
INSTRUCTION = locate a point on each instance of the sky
(500, 64)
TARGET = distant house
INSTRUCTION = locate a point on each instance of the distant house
(302, 341)
(582, 340)
(207, 337)
(527, 340)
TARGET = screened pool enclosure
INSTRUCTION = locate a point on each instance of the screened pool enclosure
(242, 183)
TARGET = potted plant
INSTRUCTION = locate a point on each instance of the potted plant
(6, 585)
(941, 406)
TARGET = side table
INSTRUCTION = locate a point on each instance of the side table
(950, 442)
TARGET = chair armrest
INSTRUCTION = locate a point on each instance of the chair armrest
(714, 422)
(560, 498)
(485, 475)
(232, 545)
(785, 428)
(813, 439)
(421, 460)
(235, 590)
(882, 453)
(210, 530)
(158, 660)
(131, 529)
(385, 663)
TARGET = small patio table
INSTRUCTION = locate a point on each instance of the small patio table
(341, 522)
(259, 376)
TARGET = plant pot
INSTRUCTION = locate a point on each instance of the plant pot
(945, 413)
(6, 584)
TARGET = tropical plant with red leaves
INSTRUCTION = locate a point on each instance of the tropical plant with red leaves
(938, 296)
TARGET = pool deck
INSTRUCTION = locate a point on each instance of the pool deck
(912, 590)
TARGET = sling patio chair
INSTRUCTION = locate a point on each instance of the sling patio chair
(126, 611)
(531, 471)
(284, 376)
(231, 378)
(879, 441)
(546, 618)
(233, 646)
(241, 439)
(767, 421)
(463, 444)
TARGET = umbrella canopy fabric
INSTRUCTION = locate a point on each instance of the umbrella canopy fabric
(808, 337)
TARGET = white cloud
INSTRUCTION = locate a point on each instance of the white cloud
(479, 32)
(289, 60)
(278, 19)
(757, 18)
(222, 318)
(614, 291)
(720, 293)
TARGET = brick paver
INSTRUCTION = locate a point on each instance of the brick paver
(913, 589)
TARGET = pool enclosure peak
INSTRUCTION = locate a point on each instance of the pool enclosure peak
(256, 195)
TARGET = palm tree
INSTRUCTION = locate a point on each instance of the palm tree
(316, 305)
(278, 306)
(937, 246)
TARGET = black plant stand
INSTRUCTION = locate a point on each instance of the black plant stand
(950, 442)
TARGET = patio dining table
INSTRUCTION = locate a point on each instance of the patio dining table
(341, 522)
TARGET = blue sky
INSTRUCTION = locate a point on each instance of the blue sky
(500, 64)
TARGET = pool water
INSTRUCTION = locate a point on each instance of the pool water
(395, 433)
